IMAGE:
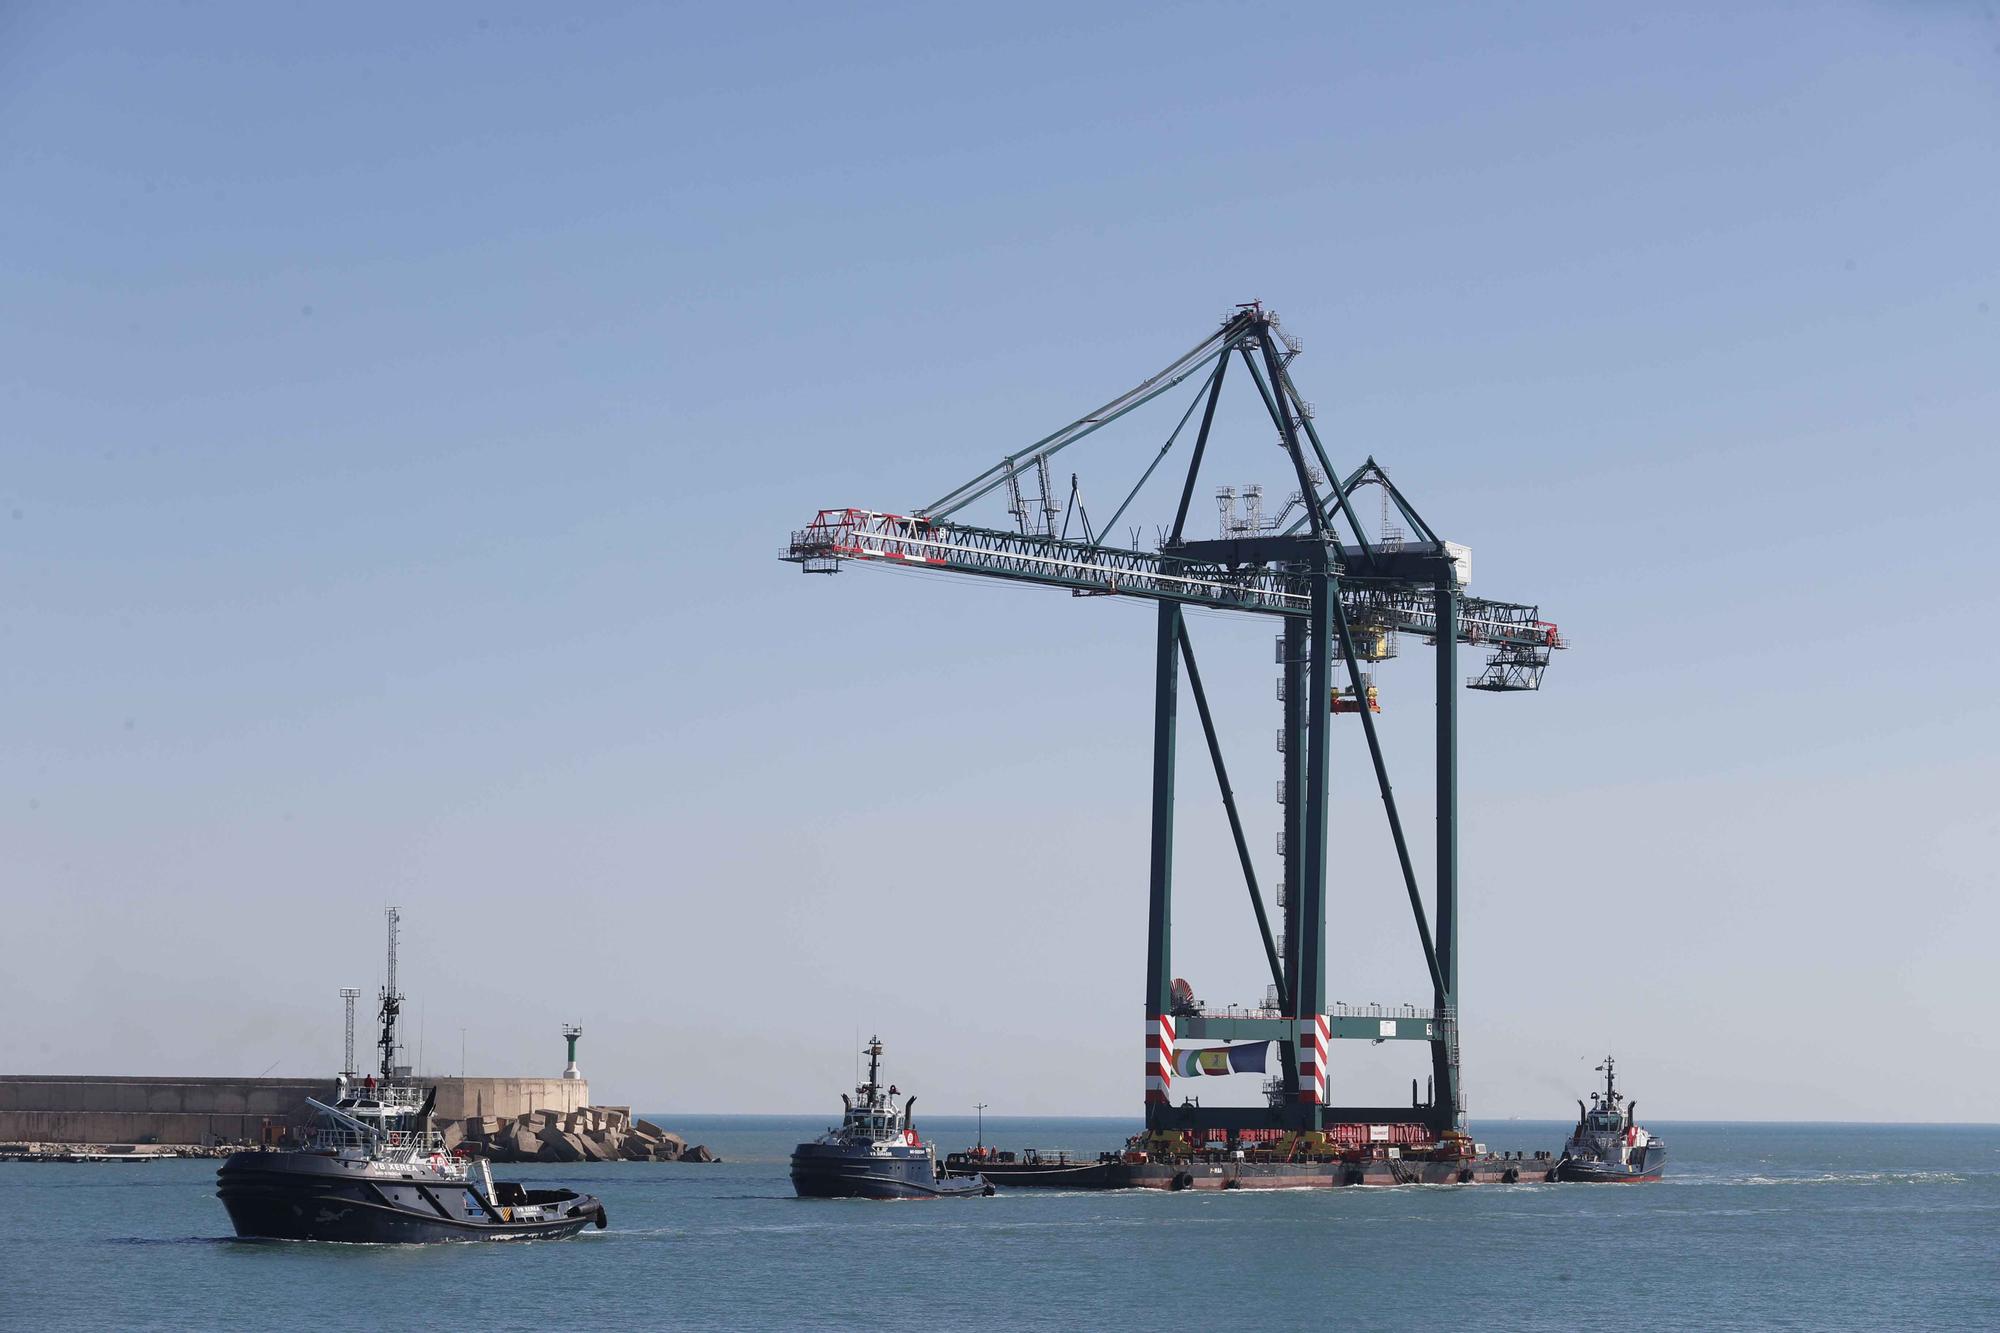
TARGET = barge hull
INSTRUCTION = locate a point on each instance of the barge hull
(1285, 1175)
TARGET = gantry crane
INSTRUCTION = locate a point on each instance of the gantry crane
(1340, 603)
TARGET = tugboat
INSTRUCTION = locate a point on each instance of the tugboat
(372, 1171)
(875, 1153)
(1607, 1146)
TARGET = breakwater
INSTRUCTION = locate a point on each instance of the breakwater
(506, 1119)
(195, 1112)
(587, 1134)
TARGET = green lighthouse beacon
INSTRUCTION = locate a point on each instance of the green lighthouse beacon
(571, 1031)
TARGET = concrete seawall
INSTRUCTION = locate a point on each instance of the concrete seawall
(83, 1109)
(73, 1108)
(506, 1098)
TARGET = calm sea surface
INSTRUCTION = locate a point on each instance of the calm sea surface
(1756, 1226)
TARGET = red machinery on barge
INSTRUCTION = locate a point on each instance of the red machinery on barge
(1341, 1155)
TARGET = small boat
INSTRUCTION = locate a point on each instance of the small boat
(875, 1153)
(1608, 1146)
(372, 1171)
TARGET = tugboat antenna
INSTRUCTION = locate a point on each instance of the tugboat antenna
(392, 1001)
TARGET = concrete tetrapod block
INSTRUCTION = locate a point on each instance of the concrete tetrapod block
(559, 1147)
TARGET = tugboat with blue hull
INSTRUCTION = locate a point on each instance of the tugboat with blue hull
(1608, 1146)
(875, 1152)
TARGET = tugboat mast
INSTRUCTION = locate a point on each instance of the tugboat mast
(873, 1090)
(392, 1002)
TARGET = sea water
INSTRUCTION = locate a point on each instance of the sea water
(1756, 1226)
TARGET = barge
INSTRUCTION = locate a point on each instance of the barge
(1331, 1159)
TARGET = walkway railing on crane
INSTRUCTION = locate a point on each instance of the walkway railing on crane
(837, 535)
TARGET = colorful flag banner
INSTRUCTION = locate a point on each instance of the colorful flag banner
(1249, 1059)
(1246, 1059)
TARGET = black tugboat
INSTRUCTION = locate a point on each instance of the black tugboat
(875, 1153)
(371, 1170)
(1608, 1146)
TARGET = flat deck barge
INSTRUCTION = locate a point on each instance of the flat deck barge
(1225, 1171)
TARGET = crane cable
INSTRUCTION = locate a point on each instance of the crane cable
(1215, 345)
(1158, 458)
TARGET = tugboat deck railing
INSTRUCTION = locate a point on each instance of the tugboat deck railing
(387, 1143)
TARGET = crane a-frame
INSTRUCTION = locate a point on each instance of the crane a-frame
(1340, 603)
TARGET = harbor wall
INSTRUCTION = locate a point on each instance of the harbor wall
(506, 1098)
(73, 1108)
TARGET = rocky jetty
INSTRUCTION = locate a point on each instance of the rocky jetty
(588, 1134)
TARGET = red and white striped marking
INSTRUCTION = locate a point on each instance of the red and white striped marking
(1315, 1037)
(1159, 1059)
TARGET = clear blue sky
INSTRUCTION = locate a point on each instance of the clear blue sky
(401, 410)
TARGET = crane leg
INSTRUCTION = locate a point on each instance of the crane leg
(1449, 1106)
(1159, 908)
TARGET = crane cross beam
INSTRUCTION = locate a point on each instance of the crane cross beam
(914, 542)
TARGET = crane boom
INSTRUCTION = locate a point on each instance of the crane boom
(1195, 573)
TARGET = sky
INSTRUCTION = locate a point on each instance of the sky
(402, 412)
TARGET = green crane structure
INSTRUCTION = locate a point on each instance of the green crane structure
(1340, 603)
